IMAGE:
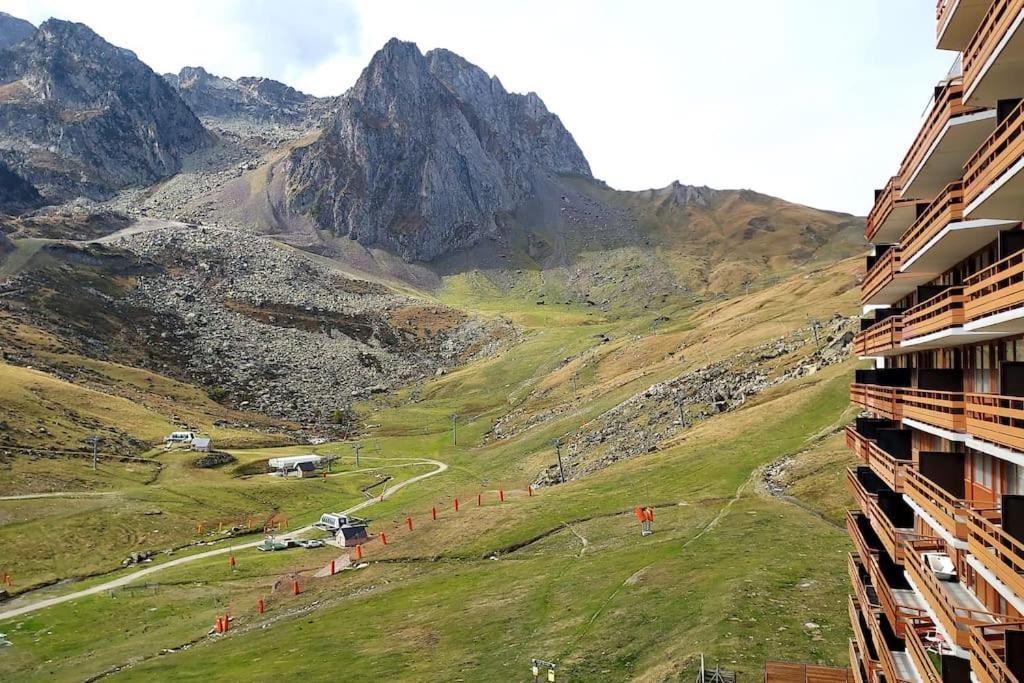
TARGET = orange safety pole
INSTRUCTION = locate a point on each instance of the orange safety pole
(231, 560)
(295, 587)
(433, 513)
(456, 504)
(408, 522)
(501, 495)
(359, 552)
(260, 605)
(220, 625)
(478, 500)
(227, 623)
(383, 538)
(529, 489)
(332, 567)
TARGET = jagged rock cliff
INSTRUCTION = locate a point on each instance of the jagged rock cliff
(13, 30)
(256, 99)
(426, 154)
(81, 117)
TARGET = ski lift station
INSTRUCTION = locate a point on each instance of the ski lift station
(296, 465)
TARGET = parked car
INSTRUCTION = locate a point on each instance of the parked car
(309, 543)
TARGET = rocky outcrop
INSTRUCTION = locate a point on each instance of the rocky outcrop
(81, 117)
(678, 194)
(256, 99)
(13, 30)
(426, 154)
(16, 193)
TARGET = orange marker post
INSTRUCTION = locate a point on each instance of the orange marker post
(433, 513)
(359, 552)
(332, 567)
(529, 489)
(227, 623)
(260, 606)
(501, 495)
(220, 625)
(478, 499)
(383, 538)
(408, 522)
(295, 588)
(231, 560)
(456, 504)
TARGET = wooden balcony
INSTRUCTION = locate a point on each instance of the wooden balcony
(951, 132)
(996, 289)
(989, 649)
(899, 605)
(998, 551)
(857, 664)
(890, 469)
(937, 502)
(957, 21)
(993, 54)
(919, 653)
(956, 608)
(856, 441)
(943, 409)
(881, 339)
(891, 215)
(943, 311)
(882, 401)
(947, 208)
(862, 588)
(860, 494)
(996, 419)
(884, 283)
(891, 536)
(854, 522)
(862, 637)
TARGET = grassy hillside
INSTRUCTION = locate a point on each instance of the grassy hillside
(476, 594)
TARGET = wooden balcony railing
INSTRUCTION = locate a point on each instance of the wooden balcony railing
(919, 653)
(991, 31)
(886, 201)
(882, 272)
(853, 530)
(996, 419)
(856, 441)
(890, 469)
(943, 311)
(885, 655)
(948, 104)
(863, 638)
(900, 615)
(880, 338)
(883, 401)
(892, 538)
(865, 593)
(860, 494)
(946, 208)
(937, 502)
(995, 289)
(943, 409)
(956, 619)
(988, 652)
(1001, 553)
(857, 663)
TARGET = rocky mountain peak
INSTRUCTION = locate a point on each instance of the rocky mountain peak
(13, 30)
(426, 154)
(82, 117)
(680, 194)
(247, 98)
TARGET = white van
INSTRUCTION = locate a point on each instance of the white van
(180, 437)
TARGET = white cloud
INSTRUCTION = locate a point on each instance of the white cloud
(808, 100)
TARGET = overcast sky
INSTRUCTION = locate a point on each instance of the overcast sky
(814, 101)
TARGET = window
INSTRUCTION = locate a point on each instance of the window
(1014, 480)
(982, 469)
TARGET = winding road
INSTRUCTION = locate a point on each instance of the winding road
(10, 613)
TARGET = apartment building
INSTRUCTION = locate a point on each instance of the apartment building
(938, 565)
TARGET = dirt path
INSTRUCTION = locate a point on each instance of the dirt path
(136, 575)
(60, 494)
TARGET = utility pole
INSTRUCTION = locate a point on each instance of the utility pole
(574, 385)
(815, 324)
(558, 454)
(455, 430)
(357, 447)
(95, 458)
(682, 419)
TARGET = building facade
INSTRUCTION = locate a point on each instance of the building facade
(938, 565)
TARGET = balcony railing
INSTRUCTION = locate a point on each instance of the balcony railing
(857, 663)
(919, 653)
(943, 409)
(943, 311)
(883, 401)
(860, 494)
(947, 104)
(1001, 150)
(865, 592)
(892, 537)
(900, 614)
(996, 419)
(943, 507)
(886, 202)
(889, 469)
(946, 208)
(993, 28)
(863, 639)
(856, 441)
(882, 337)
(860, 542)
(988, 651)
(882, 272)
(1001, 553)
(956, 618)
(995, 289)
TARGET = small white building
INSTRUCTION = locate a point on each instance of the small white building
(296, 465)
(201, 444)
